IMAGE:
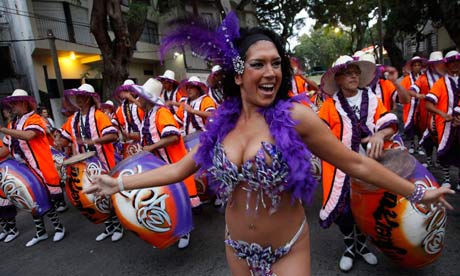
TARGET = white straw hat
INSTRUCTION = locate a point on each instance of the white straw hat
(328, 83)
(168, 75)
(20, 95)
(435, 57)
(150, 91)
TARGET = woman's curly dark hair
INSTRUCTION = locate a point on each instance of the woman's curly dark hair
(231, 89)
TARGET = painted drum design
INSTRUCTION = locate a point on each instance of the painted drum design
(81, 168)
(23, 188)
(159, 215)
(411, 235)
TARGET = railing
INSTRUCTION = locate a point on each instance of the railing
(77, 33)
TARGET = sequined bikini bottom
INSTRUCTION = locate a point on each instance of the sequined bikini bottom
(260, 259)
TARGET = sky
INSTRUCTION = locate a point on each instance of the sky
(309, 23)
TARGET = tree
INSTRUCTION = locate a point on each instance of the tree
(117, 52)
(354, 15)
(279, 15)
(322, 47)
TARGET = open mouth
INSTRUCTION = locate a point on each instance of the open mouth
(267, 89)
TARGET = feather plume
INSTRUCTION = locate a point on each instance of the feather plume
(205, 38)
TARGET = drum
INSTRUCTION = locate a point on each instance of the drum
(130, 148)
(81, 168)
(23, 188)
(410, 234)
(316, 167)
(58, 158)
(192, 140)
(159, 215)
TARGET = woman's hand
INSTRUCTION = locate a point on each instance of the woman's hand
(436, 197)
(102, 185)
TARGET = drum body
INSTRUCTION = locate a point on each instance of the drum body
(192, 140)
(23, 188)
(130, 148)
(58, 158)
(81, 168)
(159, 215)
(410, 234)
(316, 167)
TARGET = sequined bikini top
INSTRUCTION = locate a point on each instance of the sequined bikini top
(264, 179)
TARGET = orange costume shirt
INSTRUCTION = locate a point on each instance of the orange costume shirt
(159, 123)
(443, 96)
(386, 92)
(193, 123)
(36, 152)
(410, 110)
(336, 184)
(93, 125)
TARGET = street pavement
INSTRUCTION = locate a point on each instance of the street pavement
(80, 254)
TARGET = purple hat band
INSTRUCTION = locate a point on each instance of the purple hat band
(452, 58)
(11, 99)
(201, 85)
(161, 78)
(77, 92)
(121, 88)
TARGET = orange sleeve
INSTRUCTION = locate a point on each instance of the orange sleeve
(37, 124)
(324, 111)
(166, 124)
(207, 104)
(104, 124)
(179, 116)
(119, 117)
(406, 82)
(436, 92)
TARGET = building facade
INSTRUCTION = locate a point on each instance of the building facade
(26, 27)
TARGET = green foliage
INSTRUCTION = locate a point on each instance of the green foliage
(137, 13)
(353, 14)
(279, 15)
(322, 47)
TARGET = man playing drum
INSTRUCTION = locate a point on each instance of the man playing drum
(160, 135)
(27, 143)
(128, 116)
(192, 114)
(356, 117)
(90, 129)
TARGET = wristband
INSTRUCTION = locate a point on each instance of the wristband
(418, 194)
(121, 187)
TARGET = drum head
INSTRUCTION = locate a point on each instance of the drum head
(79, 157)
(399, 162)
(192, 136)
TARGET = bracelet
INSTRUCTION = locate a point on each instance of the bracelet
(418, 194)
(121, 187)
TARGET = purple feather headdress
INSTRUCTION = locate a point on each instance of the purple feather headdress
(207, 39)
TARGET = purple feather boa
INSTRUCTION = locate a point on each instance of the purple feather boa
(300, 180)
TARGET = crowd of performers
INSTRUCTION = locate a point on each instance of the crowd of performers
(158, 115)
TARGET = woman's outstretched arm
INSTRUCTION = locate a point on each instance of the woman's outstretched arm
(326, 146)
(168, 174)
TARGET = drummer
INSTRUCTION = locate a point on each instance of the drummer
(90, 129)
(27, 143)
(160, 135)
(215, 85)
(128, 116)
(358, 118)
(442, 100)
(193, 114)
(170, 94)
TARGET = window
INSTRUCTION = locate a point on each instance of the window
(150, 33)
